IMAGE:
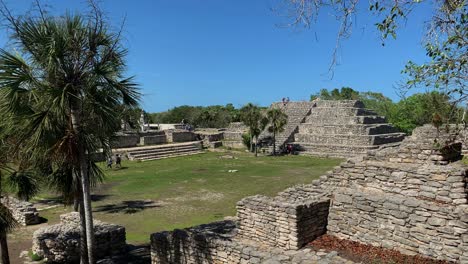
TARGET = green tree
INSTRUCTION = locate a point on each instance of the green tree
(20, 181)
(419, 109)
(252, 117)
(277, 120)
(445, 40)
(65, 82)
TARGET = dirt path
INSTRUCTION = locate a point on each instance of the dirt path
(21, 240)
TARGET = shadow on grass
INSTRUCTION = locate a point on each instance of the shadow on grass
(127, 207)
(99, 197)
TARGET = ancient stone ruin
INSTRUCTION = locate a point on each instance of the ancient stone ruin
(60, 243)
(232, 136)
(341, 128)
(411, 198)
(23, 212)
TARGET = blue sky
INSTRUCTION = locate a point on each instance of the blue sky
(205, 52)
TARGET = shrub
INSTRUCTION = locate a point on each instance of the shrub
(246, 140)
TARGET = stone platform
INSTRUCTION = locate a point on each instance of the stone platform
(331, 128)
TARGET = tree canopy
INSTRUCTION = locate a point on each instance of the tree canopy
(445, 39)
(216, 116)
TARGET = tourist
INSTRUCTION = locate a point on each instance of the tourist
(109, 163)
(289, 149)
(118, 161)
(284, 101)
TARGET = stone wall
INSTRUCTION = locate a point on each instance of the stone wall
(60, 243)
(410, 225)
(125, 140)
(279, 223)
(217, 243)
(211, 139)
(180, 136)
(232, 136)
(23, 212)
(153, 140)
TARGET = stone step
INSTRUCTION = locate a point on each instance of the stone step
(359, 129)
(349, 139)
(333, 148)
(339, 103)
(160, 153)
(172, 156)
(334, 112)
(159, 150)
(346, 120)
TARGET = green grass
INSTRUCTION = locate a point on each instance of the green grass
(192, 190)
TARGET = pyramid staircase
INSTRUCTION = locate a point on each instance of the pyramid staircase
(162, 151)
(296, 112)
(332, 128)
(343, 128)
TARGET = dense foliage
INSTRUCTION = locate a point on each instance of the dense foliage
(406, 114)
(216, 116)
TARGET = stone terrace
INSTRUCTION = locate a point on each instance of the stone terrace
(343, 129)
(332, 128)
(407, 198)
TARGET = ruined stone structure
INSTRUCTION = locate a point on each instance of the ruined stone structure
(60, 243)
(211, 138)
(23, 212)
(147, 138)
(333, 128)
(233, 135)
(161, 151)
(411, 198)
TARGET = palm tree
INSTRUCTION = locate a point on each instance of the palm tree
(66, 82)
(250, 114)
(252, 117)
(277, 120)
(19, 180)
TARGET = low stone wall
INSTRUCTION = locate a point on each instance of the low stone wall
(60, 243)
(125, 141)
(23, 212)
(210, 139)
(277, 223)
(180, 136)
(153, 140)
(217, 243)
(411, 226)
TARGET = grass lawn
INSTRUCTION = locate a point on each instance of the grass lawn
(151, 196)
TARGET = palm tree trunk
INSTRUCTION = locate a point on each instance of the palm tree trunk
(274, 142)
(5, 258)
(251, 143)
(76, 203)
(256, 146)
(83, 237)
(85, 186)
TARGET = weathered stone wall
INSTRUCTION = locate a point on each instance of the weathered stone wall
(153, 140)
(60, 243)
(410, 225)
(217, 243)
(211, 139)
(278, 223)
(125, 141)
(180, 136)
(23, 212)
